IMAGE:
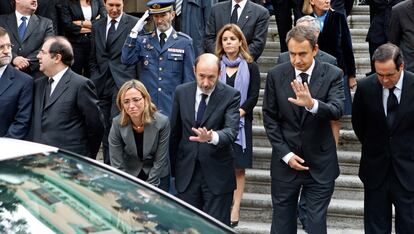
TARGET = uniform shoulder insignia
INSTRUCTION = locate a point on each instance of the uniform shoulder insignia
(184, 35)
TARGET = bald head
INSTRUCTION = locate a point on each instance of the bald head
(207, 70)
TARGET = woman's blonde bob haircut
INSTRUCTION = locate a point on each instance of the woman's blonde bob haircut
(243, 51)
(149, 107)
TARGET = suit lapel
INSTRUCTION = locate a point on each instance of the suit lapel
(102, 31)
(60, 88)
(150, 133)
(127, 135)
(407, 95)
(12, 22)
(288, 77)
(6, 79)
(215, 98)
(190, 97)
(33, 23)
(245, 15)
(122, 26)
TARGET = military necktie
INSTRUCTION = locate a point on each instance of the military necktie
(162, 39)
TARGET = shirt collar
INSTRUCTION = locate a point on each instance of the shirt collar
(108, 19)
(19, 17)
(2, 69)
(59, 75)
(309, 71)
(242, 4)
(167, 33)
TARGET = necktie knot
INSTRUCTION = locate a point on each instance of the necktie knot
(113, 22)
(304, 76)
(204, 96)
(50, 80)
(236, 6)
(24, 18)
(391, 90)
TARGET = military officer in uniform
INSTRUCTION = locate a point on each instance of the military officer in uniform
(165, 56)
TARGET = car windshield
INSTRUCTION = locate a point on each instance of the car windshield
(61, 193)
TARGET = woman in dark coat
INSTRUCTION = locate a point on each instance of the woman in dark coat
(77, 17)
(239, 71)
(335, 39)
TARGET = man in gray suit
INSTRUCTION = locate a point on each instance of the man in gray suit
(301, 97)
(204, 124)
(65, 107)
(107, 72)
(401, 31)
(252, 18)
(27, 32)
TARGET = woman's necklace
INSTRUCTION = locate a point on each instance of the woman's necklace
(139, 128)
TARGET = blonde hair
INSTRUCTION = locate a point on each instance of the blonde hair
(149, 107)
(307, 7)
(244, 50)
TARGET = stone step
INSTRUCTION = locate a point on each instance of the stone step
(255, 227)
(348, 160)
(358, 21)
(360, 10)
(346, 186)
(347, 139)
(342, 213)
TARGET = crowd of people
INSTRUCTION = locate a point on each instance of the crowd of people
(170, 95)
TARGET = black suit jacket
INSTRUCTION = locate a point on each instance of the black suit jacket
(49, 9)
(379, 11)
(216, 161)
(105, 60)
(253, 21)
(320, 56)
(401, 30)
(6, 6)
(335, 39)
(16, 93)
(71, 119)
(309, 135)
(383, 148)
(37, 30)
(71, 11)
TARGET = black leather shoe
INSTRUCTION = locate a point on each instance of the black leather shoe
(234, 224)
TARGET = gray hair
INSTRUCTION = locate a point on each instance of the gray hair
(311, 22)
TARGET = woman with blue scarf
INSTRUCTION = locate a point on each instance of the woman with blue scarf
(239, 71)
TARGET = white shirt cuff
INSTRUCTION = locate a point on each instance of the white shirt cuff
(315, 107)
(215, 139)
(287, 157)
(133, 34)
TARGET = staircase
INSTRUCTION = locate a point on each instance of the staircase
(345, 212)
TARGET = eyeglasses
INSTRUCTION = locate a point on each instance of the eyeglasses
(134, 101)
(6, 46)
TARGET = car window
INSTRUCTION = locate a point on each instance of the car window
(62, 193)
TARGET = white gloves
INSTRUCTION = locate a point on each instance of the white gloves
(139, 25)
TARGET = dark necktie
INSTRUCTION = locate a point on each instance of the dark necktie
(201, 108)
(111, 34)
(22, 27)
(48, 90)
(392, 107)
(162, 39)
(304, 77)
(234, 18)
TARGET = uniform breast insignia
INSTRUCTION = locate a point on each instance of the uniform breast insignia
(148, 46)
(174, 50)
(146, 62)
(174, 35)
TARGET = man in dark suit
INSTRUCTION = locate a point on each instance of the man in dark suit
(107, 71)
(304, 152)
(401, 30)
(204, 124)
(65, 108)
(16, 93)
(382, 118)
(252, 18)
(379, 12)
(27, 32)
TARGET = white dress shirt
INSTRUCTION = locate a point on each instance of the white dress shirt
(242, 4)
(56, 79)
(397, 92)
(108, 23)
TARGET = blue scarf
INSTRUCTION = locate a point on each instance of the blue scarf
(241, 83)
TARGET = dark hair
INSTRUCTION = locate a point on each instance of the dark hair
(62, 46)
(302, 33)
(386, 52)
(3, 32)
